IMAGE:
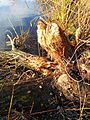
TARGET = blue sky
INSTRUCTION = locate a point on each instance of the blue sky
(11, 2)
(17, 7)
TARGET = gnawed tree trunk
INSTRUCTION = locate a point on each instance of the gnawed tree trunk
(30, 92)
(55, 74)
(53, 39)
(72, 89)
(30, 61)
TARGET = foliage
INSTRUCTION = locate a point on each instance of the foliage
(71, 14)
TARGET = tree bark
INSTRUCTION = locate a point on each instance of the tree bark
(30, 61)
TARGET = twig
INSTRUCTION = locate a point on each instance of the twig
(13, 28)
(70, 61)
(82, 109)
(32, 107)
(46, 111)
(11, 102)
(54, 110)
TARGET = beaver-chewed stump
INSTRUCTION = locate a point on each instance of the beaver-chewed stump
(68, 75)
(63, 80)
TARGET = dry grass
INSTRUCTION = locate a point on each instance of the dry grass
(71, 14)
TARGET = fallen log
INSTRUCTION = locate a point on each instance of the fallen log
(30, 61)
(72, 89)
(70, 86)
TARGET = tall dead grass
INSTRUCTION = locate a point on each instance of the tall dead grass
(71, 14)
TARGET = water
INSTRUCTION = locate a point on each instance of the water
(16, 13)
